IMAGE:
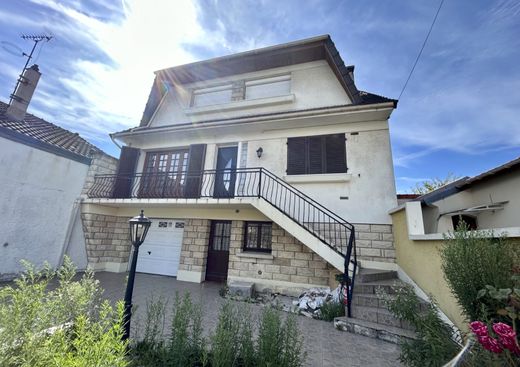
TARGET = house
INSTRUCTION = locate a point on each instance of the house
(489, 202)
(267, 166)
(44, 170)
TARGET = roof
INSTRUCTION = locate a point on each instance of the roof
(467, 182)
(44, 135)
(506, 167)
(292, 53)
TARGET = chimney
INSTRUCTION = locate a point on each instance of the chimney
(21, 97)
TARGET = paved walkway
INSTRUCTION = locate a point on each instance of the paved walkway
(325, 346)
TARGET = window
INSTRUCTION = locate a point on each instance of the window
(471, 222)
(165, 173)
(257, 236)
(212, 96)
(220, 235)
(268, 87)
(316, 154)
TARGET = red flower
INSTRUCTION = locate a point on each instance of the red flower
(479, 328)
(507, 337)
(503, 330)
(490, 344)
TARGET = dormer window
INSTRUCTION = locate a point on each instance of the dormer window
(268, 87)
(212, 96)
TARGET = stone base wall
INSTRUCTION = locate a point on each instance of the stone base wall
(102, 164)
(375, 242)
(194, 250)
(107, 242)
(289, 261)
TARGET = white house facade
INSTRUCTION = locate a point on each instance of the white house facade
(267, 166)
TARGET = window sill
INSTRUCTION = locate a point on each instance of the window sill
(289, 98)
(324, 177)
(256, 255)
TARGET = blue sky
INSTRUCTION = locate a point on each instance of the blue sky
(460, 112)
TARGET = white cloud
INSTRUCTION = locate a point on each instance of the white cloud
(114, 89)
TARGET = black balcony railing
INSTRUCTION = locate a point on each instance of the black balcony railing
(332, 230)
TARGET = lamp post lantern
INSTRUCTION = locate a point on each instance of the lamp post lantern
(138, 229)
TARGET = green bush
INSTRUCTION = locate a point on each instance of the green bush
(434, 345)
(472, 260)
(279, 344)
(330, 310)
(186, 340)
(49, 319)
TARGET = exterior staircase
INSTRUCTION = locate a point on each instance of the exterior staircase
(370, 317)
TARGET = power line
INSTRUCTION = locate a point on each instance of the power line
(422, 48)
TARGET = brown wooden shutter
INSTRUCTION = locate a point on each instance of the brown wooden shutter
(125, 172)
(195, 167)
(296, 156)
(316, 155)
(335, 154)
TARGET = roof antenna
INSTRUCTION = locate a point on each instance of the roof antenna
(36, 39)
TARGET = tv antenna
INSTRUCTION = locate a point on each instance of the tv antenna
(36, 39)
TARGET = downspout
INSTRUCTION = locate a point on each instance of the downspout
(113, 141)
(70, 227)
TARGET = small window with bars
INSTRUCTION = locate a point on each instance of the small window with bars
(258, 236)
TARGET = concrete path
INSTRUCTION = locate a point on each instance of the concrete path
(325, 346)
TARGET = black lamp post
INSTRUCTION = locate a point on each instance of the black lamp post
(138, 229)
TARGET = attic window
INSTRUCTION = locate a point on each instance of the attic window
(268, 87)
(212, 96)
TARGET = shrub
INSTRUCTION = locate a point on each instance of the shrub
(49, 319)
(186, 340)
(434, 345)
(470, 261)
(225, 341)
(279, 344)
(331, 310)
(151, 350)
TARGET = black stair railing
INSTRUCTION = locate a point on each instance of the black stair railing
(332, 230)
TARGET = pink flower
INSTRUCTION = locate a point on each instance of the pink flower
(507, 337)
(490, 344)
(479, 328)
(504, 330)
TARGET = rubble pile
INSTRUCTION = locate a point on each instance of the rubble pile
(310, 301)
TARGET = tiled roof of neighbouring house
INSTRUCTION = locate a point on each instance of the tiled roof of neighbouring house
(43, 134)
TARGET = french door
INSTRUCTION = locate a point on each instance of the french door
(164, 174)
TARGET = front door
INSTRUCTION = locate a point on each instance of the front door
(218, 251)
(225, 176)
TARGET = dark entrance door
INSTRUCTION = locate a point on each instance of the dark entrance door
(218, 251)
(226, 172)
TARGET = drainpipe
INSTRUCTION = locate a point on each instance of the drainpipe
(68, 234)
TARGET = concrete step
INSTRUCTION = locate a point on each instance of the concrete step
(380, 316)
(388, 286)
(374, 275)
(373, 330)
(369, 300)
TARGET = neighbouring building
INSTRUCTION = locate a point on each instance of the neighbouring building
(489, 202)
(44, 171)
(258, 166)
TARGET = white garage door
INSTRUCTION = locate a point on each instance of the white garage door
(160, 253)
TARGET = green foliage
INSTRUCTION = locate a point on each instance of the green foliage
(331, 310)
(472, 260)
(434, 345)
(225, 342)
(279, 344)
(433, 184)
(186, 332)
(49, 319)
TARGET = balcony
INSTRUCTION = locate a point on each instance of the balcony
(228, 183)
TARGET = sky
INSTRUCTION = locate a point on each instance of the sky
(459, 114)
